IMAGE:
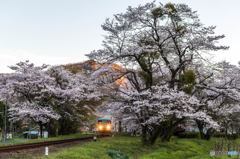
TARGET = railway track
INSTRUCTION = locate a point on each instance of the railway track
(14, 148)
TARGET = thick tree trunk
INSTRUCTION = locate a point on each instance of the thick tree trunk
(168, 128)
(144, 135)
(155, 135)
(208, 134)
(149, 137)
(167, 133)
(200, 126)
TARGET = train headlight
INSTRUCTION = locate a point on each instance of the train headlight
(100, 127)
(108, 127)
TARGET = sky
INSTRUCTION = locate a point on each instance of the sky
(63, 31)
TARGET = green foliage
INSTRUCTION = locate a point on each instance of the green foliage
(187, 81)
(171, 7)
(144, 76)
(157, 12)
(180, 29)
(228, 136)
(114, 154)
(145, 62)
(99, 149)
(188, 77)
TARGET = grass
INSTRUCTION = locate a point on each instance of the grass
(98, 150)
(20, 140)
(131, 146)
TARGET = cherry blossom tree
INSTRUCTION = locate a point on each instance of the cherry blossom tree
(158, 45)
(218, 93)
(31, 98)
(76, 98)
(43, 94)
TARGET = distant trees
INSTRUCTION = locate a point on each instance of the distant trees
(160, 47)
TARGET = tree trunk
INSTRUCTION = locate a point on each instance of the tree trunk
(209, 132)
(41, 129)
(200, 128)
(144, 135)
(167, 133)
(168, 128)
(155, 135)
(119, 126)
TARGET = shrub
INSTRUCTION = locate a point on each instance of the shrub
(114, 154)
(229, 136)
(188, 135)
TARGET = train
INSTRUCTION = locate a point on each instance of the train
(104, 125)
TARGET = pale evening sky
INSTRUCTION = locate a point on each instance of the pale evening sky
(62, 31)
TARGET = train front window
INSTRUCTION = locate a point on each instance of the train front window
(104, 122)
